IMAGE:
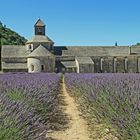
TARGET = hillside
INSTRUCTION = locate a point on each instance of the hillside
(10, 37)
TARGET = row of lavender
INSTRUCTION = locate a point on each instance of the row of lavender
(113, 98)
(28, 105)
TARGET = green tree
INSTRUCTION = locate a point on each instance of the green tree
(138, 44)
(1, 24)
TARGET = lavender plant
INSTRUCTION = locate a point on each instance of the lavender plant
(28, 105)
(113, 98)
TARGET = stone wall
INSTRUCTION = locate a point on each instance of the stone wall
(96, 61)
(34, 65)
(132, 64)
(120, 64)
(135, 49)
(88, 68)
(107, 65)
(43, 64)
(49, 63)
(70, 70)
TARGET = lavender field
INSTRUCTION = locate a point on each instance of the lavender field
(114, 99)
(29, 106)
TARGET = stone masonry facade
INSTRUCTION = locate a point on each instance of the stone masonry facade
(41, 55)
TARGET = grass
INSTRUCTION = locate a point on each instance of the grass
(40, 107)
(100, 128)
(16, 95)
(9, 131)
(8, 128)
(100, 113)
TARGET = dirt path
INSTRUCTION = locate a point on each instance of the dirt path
(77, 129)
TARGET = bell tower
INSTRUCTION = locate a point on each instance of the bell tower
(39, 27)
(39, 38)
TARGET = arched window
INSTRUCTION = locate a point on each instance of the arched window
(42, 67)
(32, 67)
(30, 47)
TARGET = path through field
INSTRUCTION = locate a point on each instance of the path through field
(77, 129)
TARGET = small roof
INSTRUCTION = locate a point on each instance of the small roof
(69, 64)
(84, 60)
(14, 51)
(39, 23)
(40, 51)
(40, 39)
(14, 65)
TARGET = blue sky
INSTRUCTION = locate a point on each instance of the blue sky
(76, 22)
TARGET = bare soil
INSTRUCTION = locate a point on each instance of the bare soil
(77, 127)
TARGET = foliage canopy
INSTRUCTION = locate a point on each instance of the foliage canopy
(10, 37)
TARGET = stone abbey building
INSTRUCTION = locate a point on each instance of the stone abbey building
(40, 55)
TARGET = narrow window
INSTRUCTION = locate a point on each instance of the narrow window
(42, 67)
(115, 65)
(32, 67)
(101, 64)
(126, 64)
(30, 47)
